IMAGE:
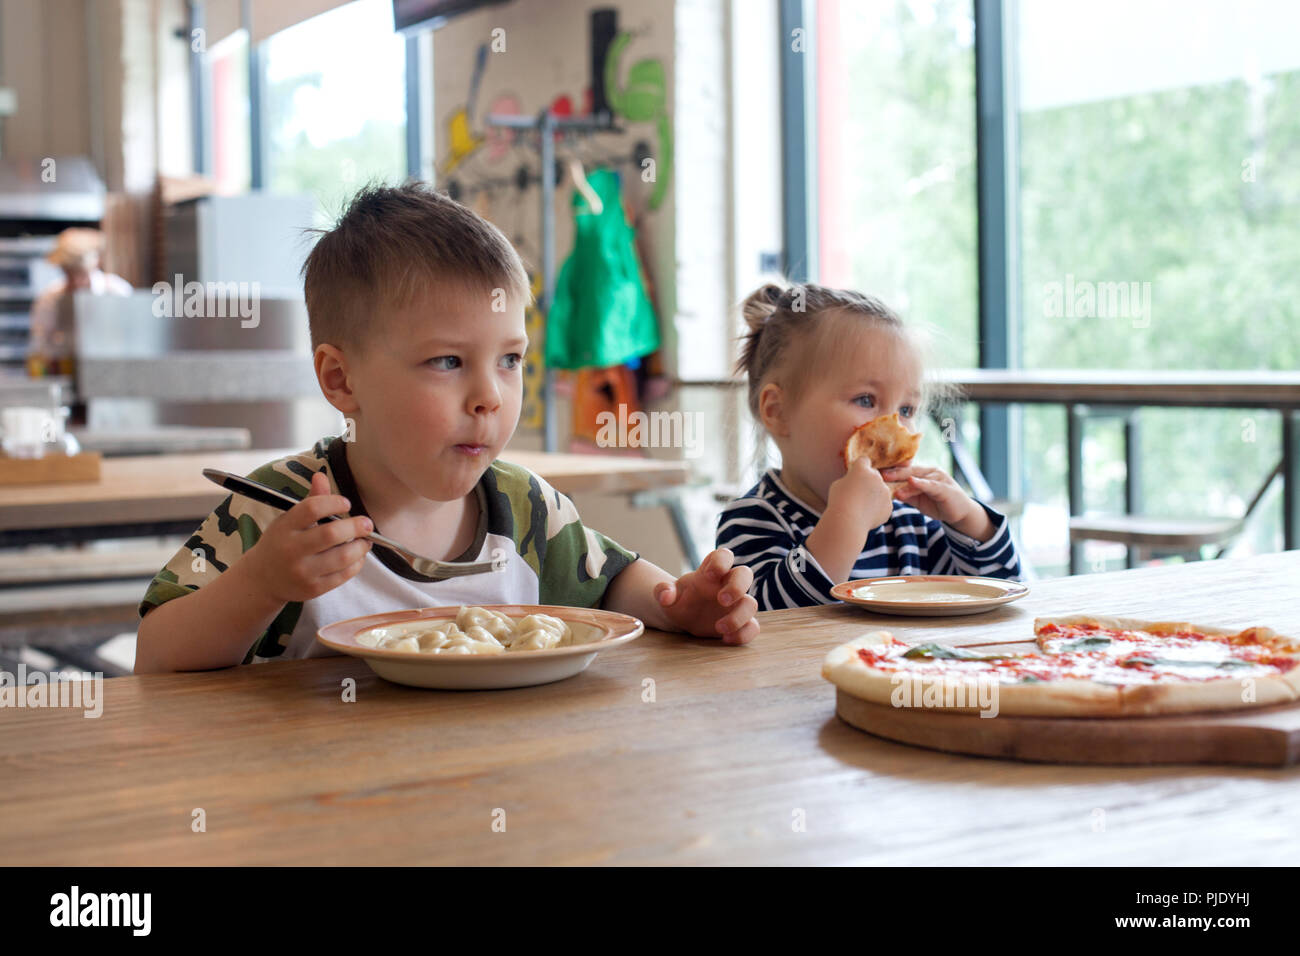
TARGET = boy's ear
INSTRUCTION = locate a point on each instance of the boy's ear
(772, 411)
(332, 376)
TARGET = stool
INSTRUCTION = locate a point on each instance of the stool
(1154, 537)
(1140, 534)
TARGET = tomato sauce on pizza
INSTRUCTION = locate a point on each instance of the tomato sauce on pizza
(1096, 653)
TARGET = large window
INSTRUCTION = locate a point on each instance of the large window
(335, 104)
(1158, 189)
(895, 127)
(895, 164)
(1160, 214)
(231, 133)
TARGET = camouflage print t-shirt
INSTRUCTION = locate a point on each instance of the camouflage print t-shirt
(544, 554)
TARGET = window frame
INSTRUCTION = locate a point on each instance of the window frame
(997, 218)
(202, 118)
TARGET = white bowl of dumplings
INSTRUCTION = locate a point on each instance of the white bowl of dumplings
(476, 648)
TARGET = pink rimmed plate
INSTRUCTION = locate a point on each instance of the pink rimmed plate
(594, 630)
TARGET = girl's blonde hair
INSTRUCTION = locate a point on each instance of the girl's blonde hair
(791, 339)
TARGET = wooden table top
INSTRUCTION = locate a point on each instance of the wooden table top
(159, 488)
(738, 744)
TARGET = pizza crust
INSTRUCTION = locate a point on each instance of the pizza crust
(1145, 700)
(1060, 698)
(843, 668)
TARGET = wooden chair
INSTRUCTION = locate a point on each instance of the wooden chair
(1142, 535)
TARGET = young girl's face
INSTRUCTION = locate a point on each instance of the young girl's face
(877, 373)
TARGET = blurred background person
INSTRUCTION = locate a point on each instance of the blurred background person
(52, 344)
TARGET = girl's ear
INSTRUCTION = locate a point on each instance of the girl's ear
(772, 410)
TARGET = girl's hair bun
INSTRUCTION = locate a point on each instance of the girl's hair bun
(760, 305)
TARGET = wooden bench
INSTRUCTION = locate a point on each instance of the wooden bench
(56, 614)
(1142, 535)
(66, 603)
(30, 566)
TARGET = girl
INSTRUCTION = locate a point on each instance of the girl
(820, 363)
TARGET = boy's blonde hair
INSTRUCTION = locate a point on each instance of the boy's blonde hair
(791, 339)
(392, 244)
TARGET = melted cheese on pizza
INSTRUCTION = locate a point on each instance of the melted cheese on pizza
(1095, 653)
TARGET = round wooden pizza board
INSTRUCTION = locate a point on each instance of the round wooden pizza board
(1267, 736)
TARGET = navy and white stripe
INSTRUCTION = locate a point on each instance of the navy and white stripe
(766, 529)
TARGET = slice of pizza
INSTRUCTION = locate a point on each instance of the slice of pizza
(1087, 666)
(885, 442)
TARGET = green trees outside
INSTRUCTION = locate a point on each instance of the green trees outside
(334, 105)
(333, 170)
(1189, 197)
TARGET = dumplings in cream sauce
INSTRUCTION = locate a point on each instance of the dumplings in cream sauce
(475, 630)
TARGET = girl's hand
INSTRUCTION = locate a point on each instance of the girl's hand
(861, 496)
(713, 601)
(934, 493)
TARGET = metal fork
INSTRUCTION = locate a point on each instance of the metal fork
(439, 570)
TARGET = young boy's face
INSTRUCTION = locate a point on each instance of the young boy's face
(440, 389)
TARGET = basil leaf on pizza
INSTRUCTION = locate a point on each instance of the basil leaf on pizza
(941, 652)
(1087, 643)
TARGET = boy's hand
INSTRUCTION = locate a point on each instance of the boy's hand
(297, 559)
(696, 600)
(934, 493)
(861, 494)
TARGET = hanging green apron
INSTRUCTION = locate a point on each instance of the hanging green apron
(601, 315)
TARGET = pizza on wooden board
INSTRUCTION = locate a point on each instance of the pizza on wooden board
(1087, 666)
(885, 442)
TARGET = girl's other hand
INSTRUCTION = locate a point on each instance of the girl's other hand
(934, 493)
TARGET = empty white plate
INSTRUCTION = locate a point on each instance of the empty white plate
(929, 595)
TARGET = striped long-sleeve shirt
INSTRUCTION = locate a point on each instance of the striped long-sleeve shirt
(767, 526)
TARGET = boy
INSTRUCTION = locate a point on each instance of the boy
(416, 307)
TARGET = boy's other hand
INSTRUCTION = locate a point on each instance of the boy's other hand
(297, 559)
(713, 600)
